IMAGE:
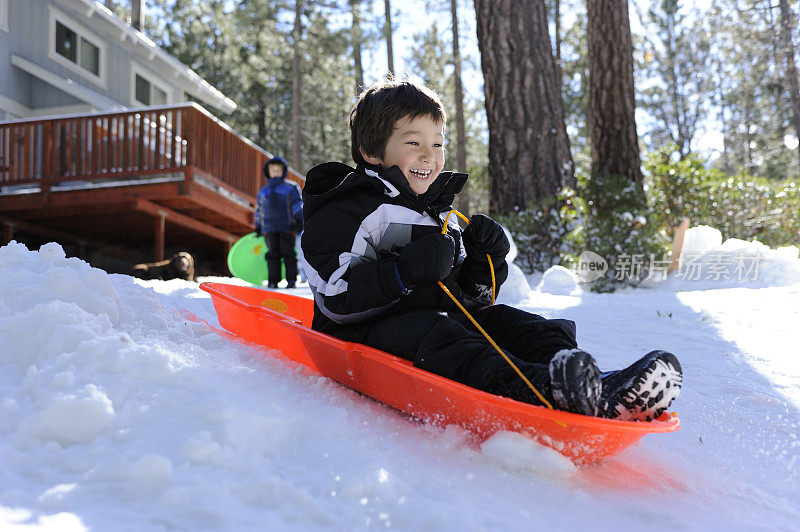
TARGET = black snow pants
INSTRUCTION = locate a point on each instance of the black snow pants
(281, 248)
(448, 344)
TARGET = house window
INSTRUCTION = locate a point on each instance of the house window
(66, 42)
(148, 93)
(77, 48)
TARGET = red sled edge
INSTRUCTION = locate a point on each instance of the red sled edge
(281, 322)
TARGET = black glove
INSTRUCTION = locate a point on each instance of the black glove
(483, 236)
(298, 223)
(258, 230)
(426, 260)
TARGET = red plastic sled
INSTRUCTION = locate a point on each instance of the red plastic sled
(282, 322)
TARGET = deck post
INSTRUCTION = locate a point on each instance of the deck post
(160, 227)
(8, 233)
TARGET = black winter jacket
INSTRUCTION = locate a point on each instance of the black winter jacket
(356, 221)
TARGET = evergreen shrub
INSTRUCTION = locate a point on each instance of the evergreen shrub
(620, 227)
(632, 229)
(740, 206)
(545, 232)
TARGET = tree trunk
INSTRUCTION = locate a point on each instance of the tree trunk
(529, 155)
(261, 120)
(679, 138)
(297, 87)
(557, 29)
(355, 7)
(611, 107)
(137, 14)
(557, 24)
(722, 118)
(461, 134)
(748, 138)
(791, 68)
(389, 53)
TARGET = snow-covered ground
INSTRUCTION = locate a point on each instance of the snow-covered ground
(119, 413)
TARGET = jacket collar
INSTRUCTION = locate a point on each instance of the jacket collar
(326, 181)
(441, 192)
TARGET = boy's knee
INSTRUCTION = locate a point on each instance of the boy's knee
(446, 346)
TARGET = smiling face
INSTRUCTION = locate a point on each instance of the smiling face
(416, 145)
(275, 170)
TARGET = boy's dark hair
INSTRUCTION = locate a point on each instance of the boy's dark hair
(379, 107)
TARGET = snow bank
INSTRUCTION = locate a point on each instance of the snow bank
(706, 262)
(118, 413)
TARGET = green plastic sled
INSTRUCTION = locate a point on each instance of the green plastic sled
(246, 259)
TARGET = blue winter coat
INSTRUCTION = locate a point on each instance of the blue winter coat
(279, 207)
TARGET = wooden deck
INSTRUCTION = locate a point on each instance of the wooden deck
(160, 178)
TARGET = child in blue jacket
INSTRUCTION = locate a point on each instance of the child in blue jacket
(279, 217)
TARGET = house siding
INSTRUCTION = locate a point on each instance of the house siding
(31, 24)
(14, 84)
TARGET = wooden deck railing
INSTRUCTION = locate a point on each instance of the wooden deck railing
(141, 142)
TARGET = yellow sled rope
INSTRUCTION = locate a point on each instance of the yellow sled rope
(477, 325)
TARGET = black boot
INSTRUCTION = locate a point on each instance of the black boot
(644, 390)
(571, 382)
(575, 382)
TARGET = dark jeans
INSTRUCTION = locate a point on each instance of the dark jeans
(281, 247)
(449, 345)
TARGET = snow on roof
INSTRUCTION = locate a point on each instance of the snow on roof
(204, 89)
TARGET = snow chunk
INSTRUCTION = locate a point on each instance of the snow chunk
(700, 239)
(202, 449)
(74, 418)
(47, 276)
(152, 468)
(515, 452)
(560, 281)
(19, 519)
(512, 252)
(516, 288)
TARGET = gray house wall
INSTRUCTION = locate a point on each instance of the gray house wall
(12, 85)
(31, 27)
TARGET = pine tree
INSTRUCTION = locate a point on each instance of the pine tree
(458, 97)
(787, 23)
(671, 90)
(612, 103)
(356, 38)
(329, 75)
(752, 88)
(529, 156)
(297, 86)
(389, 51)
(263, 76)
(575, 90)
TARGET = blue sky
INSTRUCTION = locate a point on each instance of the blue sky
(414, 18)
